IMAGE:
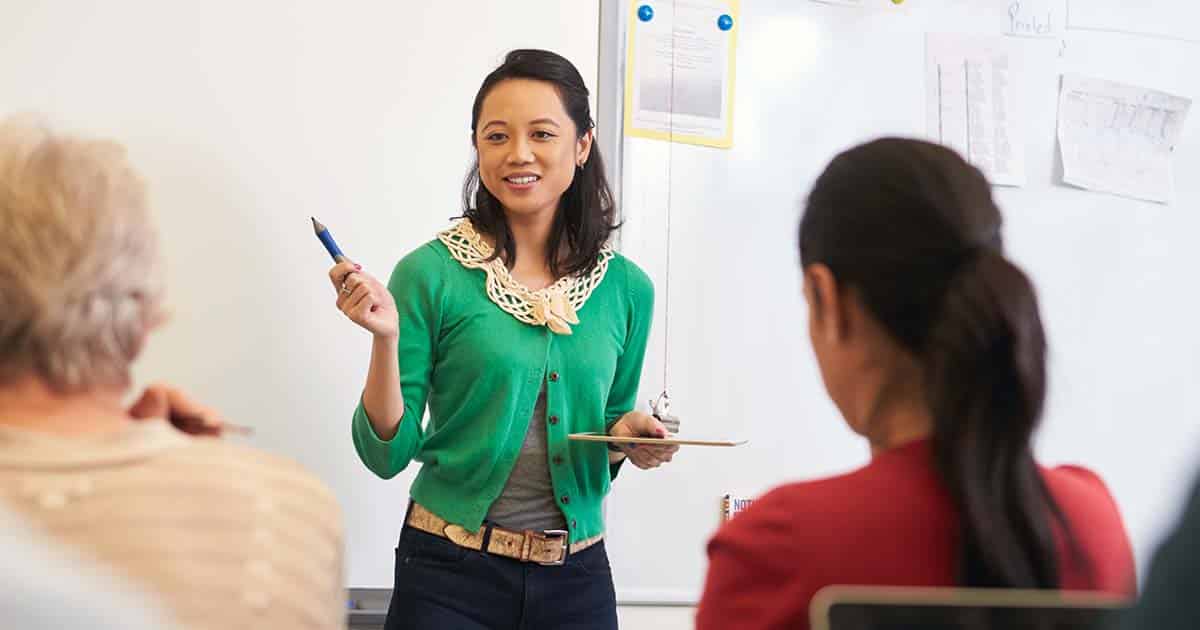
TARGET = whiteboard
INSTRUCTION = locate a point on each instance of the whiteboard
(246, 118)
(1115, 277)
(1169, 19)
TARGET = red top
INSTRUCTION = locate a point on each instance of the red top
(889, 523)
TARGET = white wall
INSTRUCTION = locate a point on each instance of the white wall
(246, 118)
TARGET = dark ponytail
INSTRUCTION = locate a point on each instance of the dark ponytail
(985, 375)
(914, 229)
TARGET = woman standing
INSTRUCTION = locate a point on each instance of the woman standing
(517, 326)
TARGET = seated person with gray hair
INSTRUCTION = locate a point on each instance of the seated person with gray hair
(224, 536)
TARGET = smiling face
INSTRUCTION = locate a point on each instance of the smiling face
(528, 146)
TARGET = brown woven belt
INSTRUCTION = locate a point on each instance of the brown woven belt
(548, 548)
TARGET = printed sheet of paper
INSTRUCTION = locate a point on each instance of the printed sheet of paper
(971, 103)
(1118, 138)
(680, 71)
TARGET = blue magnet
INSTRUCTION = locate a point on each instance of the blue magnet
(645, 13)
(724, 22)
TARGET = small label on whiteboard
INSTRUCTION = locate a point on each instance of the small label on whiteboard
(1044, 19)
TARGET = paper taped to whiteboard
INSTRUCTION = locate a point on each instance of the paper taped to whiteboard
(680, 67)
(1119, 138)
(970, 103)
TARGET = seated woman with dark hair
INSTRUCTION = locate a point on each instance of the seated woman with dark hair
(930, 344)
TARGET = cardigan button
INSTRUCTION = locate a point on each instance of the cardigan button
(553, 419)
(554, 377)
(565, 499)
(573, 525)
(558, 460)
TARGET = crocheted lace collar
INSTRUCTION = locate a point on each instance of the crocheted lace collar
(555, 307)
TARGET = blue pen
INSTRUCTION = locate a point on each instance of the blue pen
(331, 246)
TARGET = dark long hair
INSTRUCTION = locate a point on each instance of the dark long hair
(586, 215)
(914, 229)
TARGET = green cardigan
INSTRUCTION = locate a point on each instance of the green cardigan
(480, 371)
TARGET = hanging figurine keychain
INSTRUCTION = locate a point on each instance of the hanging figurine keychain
(660, 408)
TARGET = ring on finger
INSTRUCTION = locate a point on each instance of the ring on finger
(345, 289)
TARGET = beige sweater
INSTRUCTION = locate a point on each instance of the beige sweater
(227, 536)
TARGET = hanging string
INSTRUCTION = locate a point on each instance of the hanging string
(670, 185)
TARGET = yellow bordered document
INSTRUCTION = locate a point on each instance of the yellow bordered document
(680, 63)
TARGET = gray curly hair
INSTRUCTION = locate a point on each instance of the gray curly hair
(80, 273)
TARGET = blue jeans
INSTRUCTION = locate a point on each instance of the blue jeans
(441, 586)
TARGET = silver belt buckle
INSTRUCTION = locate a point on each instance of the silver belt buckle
(562, 535)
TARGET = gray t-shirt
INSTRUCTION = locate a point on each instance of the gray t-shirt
(527, 501)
